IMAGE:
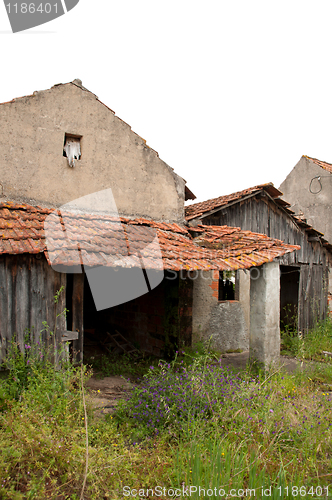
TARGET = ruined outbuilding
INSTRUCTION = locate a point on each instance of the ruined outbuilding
(303, 274)
(31, 272)
(41, 165)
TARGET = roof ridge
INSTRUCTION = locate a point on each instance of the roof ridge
(323, 164)
(317, 159)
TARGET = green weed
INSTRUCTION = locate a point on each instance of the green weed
(311, 345)
(119, 364)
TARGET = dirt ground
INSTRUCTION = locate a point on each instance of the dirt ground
(240, 360)
(103, 394)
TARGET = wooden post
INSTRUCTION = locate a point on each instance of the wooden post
(77, 313)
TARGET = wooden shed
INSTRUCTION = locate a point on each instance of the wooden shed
(303, 274)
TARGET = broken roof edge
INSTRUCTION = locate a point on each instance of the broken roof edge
(189, 195)
(323, 164)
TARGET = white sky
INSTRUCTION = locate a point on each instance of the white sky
(230, 93)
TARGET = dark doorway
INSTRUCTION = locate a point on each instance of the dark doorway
(289, 297)
(150, 322)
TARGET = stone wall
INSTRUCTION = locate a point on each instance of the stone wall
(311, 196)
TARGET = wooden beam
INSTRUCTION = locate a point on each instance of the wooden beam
(77, 314)
(67, 336)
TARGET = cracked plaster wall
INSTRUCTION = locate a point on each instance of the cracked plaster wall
(225, 323)
(34, 170)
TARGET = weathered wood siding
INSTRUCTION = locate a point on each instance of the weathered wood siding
(313, 293)
(260, 214)
(77, 315)
(27, 288)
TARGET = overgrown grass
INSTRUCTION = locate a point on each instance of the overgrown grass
(189, 423)
(311, 345)
(281, 420)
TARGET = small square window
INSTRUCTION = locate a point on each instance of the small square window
(72, 149)
(228, 285)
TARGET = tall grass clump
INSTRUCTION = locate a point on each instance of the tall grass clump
(52, 446)
(41, 410)
(22, 365)
(218, 468)
(311, 345)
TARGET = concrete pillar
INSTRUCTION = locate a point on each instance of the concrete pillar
(204, 299)
(264, 339)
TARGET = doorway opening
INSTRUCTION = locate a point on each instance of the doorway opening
(289, 298)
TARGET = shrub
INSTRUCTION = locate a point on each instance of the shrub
(173, 395)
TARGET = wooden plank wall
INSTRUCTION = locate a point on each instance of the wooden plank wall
(27, 288)
(77, 311)
(261, 215)
(313, 288)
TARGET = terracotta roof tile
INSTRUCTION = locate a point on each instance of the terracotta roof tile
(197, 209)
(323, 164)
(101, 240)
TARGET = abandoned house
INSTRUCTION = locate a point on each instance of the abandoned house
(303, 274)
(86, 205)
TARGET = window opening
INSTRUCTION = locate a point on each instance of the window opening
(72, 149)
(228, 285)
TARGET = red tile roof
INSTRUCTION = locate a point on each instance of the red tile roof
(197, 209)
(323, 164)
(245, 246)
(93, 239)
